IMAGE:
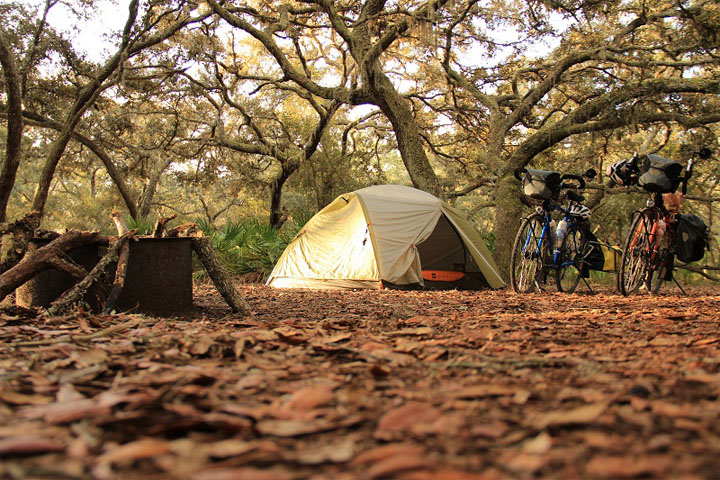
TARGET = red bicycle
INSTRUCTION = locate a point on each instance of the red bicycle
(649, 252)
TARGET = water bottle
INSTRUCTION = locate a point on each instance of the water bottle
(560, 232)
(659, 232)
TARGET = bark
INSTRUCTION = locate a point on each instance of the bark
(220, 277)
(377, 88)
(92, 89)
(185, 230)
(112, 171)
(407, 133)
(22, 232)
(76, 292)
(159, 229)
(508, 211)
(42, 258)
(122, 263)
(15, 125)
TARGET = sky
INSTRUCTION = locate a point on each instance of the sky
(89, 34)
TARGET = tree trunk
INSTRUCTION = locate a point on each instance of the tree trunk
(276, 213)
(14, 128)
(508, 211)
(409, 141)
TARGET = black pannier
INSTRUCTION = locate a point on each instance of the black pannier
(691, 238)
(624, 172)
(658, 174)
(541, 184)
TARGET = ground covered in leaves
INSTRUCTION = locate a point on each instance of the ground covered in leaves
(368, 385)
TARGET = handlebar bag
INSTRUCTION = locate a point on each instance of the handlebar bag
(541, 184)
(624, 172)
(691, 238)
(658, 174)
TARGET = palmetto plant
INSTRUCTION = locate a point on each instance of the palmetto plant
(248, 246)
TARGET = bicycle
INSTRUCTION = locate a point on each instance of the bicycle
(650, 244)
(537, 249)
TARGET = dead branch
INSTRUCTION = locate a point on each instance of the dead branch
(75, 293)
(160, 225)
(704, 271)
(185, 230)
(121, 269)
(42, 258)
(220, 277)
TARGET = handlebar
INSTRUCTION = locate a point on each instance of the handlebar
(703, 153)
(570, 176)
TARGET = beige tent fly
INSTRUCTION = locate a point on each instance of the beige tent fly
(386, 236)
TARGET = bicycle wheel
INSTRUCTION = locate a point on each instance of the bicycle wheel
(570, 260)
(636, 256)
(529, 250)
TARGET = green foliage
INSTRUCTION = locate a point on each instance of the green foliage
(145, 226)
(488, 238)
(249, 246)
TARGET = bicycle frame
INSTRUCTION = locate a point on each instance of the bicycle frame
(659, 213)
(545, 210)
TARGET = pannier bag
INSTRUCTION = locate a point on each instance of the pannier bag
(658, 174)
(691, 238)
(541, 184)
(624, 172)
(595, 257)
(600, 256)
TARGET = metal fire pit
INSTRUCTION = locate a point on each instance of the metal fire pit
(158, 280)
(159, 276)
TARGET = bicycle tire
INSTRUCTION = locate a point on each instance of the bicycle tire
(573, 246)
(635, 260)
(525, 264)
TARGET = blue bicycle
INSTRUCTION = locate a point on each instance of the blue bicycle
(542, 248)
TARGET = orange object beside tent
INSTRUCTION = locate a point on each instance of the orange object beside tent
(442, 275)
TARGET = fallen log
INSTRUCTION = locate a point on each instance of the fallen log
(184, 230)
(219, 276)
(45, 257)
(76, 292)
(122, 263)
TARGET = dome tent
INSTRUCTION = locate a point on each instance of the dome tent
(386, 236)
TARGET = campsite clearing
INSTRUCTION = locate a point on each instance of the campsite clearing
(368, 384)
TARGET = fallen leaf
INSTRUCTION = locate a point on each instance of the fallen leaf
(575, 416)
(23, 445)
(396, 464)
(310, 397)
(16, 398)
(629, 466)
(139, 449)
(243, 473)
(488, 390)
(413, 415)
(376, 454)
(87, 358)
(201, 346)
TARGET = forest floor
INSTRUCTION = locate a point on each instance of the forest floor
(368, 385)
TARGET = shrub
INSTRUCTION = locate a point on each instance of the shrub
(249, 246)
